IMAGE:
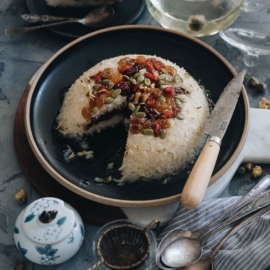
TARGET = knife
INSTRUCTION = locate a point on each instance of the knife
(216, 127)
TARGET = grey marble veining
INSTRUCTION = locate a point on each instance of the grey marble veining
(20, 58)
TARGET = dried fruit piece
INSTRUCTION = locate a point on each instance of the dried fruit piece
(125, 87)
(135, 128)
(158, 64)
(149, 66)
(86, 113)
(152, 77)
(141, 60)
(157, 128)
(171, 70)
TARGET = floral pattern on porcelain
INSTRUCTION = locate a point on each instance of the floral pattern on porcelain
(50, 247)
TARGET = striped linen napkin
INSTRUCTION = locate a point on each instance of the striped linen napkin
(248, 249)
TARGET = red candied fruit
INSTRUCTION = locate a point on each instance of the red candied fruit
(157, 128)
(158, 64)
(149, 66)
(97, 78)
(169, 90)
(151, 101)
(152, 77)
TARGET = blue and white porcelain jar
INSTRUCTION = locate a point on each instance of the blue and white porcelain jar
(48, 231)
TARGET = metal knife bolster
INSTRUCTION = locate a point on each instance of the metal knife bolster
(215, 139)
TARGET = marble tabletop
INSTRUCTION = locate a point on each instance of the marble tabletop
(20, 58)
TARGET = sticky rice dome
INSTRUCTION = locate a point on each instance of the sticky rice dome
(146, 157)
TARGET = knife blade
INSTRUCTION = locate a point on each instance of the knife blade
(216, 127)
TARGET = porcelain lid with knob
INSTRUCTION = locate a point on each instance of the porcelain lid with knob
(47, 221)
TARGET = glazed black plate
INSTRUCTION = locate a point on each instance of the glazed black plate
(127, 12)
(200, 60)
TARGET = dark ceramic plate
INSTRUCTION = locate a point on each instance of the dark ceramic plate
(44, 101)
(127, 12)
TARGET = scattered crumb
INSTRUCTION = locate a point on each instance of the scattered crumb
(255, 83)
(257, 171)
(110, 166)
(264, 103)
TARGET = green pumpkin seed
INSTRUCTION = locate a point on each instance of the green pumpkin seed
(163, 76)
(110, 86)
(147, 131)
(107, 179)
(136, 109)
(126, 77)
(108, 100)
(161, 82)
(94, 110)
(177, 79)
(162, 134)
(168, 80)
(140, 79)
(94, 92)
(105, 81)
(180, 116)
(131, 96)
(131, 106)
(130, 62)
(164, 70)
(140, 114)
(147, 81)
(178, 103)
(162, 99)
(136, 75)
(116, 92)
(182, 99)
(133, 81)
(96, 86)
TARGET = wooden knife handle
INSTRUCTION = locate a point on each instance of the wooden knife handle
(200, 175)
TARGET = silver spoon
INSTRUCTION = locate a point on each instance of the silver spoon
(208, 262)
(95, 18)
(186, 250)
(261, 186)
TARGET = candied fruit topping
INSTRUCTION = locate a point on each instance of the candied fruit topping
(151, 89)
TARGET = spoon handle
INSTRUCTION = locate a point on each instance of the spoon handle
(234, 230)
(262, 185)
(260, 202)
(33, 18)
(17, 31)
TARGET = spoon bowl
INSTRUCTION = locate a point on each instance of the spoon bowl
(96, 18)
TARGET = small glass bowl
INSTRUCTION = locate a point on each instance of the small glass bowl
(195, 17)
(153, 243)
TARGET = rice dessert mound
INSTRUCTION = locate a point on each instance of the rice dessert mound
(167, 111)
